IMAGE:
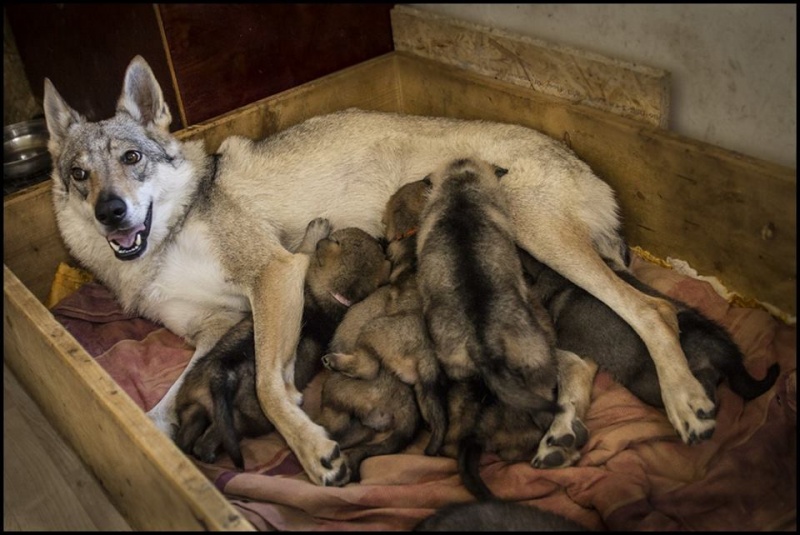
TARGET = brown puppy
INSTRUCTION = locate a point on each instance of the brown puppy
(217, 404)
(384, 337)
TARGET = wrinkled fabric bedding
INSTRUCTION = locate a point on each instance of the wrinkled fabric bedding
(634, 473)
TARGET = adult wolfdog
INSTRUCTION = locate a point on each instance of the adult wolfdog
(195, 240)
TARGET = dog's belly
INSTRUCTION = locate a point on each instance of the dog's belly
(346, 165)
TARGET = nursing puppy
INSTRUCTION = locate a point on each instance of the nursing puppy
(217, 404)
(197, 241)
(474, 296)
(587, 327)
(368, 417)
(386, 332)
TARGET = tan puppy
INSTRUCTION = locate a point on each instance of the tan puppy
(386, 332)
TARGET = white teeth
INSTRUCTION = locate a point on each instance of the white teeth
(118, 248)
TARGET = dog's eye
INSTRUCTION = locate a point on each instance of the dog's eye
(131, 157)
(79, 174)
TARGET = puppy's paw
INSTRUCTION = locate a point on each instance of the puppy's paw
(561, 445)
(337, 362)
(317, 229)
(690, 411)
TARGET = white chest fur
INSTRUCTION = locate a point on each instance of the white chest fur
(190, 285)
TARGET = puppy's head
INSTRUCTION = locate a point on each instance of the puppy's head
(402, 213)
(468, 170)
(346, 267)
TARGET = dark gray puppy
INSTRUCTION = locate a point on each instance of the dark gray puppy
(590, 329)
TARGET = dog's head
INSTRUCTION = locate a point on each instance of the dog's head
(113, 173)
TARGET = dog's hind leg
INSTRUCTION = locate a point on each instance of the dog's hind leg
(562, 443)
(277, 302)
(568, 248)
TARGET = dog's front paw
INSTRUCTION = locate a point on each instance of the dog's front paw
(324, 463)
(561, 445)
(165, 419)
(690, 411)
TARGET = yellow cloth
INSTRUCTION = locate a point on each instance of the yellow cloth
(67, 281)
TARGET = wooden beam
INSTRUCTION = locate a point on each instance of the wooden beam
(581, 77)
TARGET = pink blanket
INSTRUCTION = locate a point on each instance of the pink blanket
(634, 473)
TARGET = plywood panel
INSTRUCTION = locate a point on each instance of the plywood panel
(227, 55)
(726, 214)
(579, 76)
(85, 48)
(370, 85)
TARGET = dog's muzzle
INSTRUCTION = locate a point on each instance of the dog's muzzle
(130, 243)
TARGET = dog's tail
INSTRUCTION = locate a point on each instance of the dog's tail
(469, 455)
(223, 390)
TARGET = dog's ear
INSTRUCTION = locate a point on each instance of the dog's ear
(58, 116)
(142, 97)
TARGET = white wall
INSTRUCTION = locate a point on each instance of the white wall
(733, 66)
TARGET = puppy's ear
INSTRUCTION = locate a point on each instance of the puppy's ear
(499, 172)
(327, 251)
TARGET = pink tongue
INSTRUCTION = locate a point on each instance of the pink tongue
(125, 238)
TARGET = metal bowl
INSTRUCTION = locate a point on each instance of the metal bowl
(25, 149)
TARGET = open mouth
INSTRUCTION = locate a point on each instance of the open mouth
(131, 243)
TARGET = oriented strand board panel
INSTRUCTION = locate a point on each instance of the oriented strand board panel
(728, 215)
(581, 77)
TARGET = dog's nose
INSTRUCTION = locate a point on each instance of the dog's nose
(110, 210)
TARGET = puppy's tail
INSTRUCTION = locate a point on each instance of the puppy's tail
(702, 335)
(222, 391)
(469, 455)
(744, 384)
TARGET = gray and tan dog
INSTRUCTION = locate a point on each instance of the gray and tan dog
(197, 241)
(217, 403)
